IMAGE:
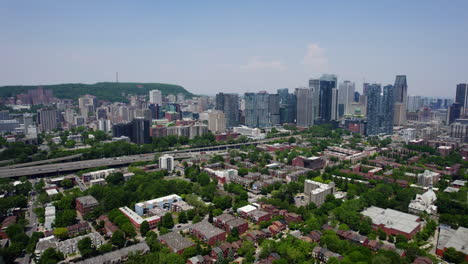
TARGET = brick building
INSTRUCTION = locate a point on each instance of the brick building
(86, 204)
(393, 222)
(208, 233)
(176, 242)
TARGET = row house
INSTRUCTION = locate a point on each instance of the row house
(375, 245)
(176, 242)
(315, 236)
(228, 222)
(292, 217)
(109, 227)
(276, 227)
(258, 216)
(351, 236)
(324, 255)
(256, 235)
(226, 250)
(208, 233)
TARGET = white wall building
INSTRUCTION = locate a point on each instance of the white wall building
(95, 175)
(216, 121)
(346, 96)
(155, 97)
(423, 203)
(49, 217)
(255, 133)
(166, 162)
(428, 178)
(316, 192)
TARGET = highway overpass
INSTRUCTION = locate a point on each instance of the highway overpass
(67, 167)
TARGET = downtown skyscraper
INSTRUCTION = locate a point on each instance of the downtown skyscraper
(461, 96)
(373, 109)
(287, 106)
(400, 97)
(257, 109)
(229, 104)
(328, 98)
(345, 97)
(305, 107)
(379, 109)
(387, 110)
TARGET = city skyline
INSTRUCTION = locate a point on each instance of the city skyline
(255, 53)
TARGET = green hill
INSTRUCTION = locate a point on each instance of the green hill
(114, 92)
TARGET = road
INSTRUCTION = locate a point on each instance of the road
(30, 228)
(72, 166)
(40, 162)
(109, 162)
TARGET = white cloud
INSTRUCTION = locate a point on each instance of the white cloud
(256, 64)
(315, 59)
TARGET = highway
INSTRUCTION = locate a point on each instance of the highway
(60, 168)
(72, 166)
(40, 162)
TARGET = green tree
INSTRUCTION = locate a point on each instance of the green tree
(128, 229)
(167, 221)
(104, 248)
(189, 252)
(247, 250)
(65, 218)
(50, 256)
(61, 232)
(197, 219)
(85, 247)
(382, 235)
(70, 144)
(204, 179)
(144, 228)
(115, 178)
(234, 235)
(67, 183)
(401, 241)
(190, 214)
(118, 238)
(454, 256)
(182, 217)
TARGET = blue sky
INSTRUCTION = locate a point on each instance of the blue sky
(235, 46)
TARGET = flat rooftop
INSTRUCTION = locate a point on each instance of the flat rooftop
(207, 230)
(392, 219)
(458, 239)
(158, 200)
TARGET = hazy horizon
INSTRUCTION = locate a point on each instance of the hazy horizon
(209, 47)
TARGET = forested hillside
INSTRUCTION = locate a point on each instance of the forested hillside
(114, 92)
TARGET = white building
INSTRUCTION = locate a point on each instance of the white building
(180, 98)
(95, 175)
(428, 178)
(67, 247)
(316, 192)
(346, 96)
(216, 121)
(223, 176)
(162, 202)
(408, 134)
(171, 98)
(166, 162)
(255, 133)
(244, 210)
(423, 203)
(155, 97)
(104, 125)
(49, 217)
